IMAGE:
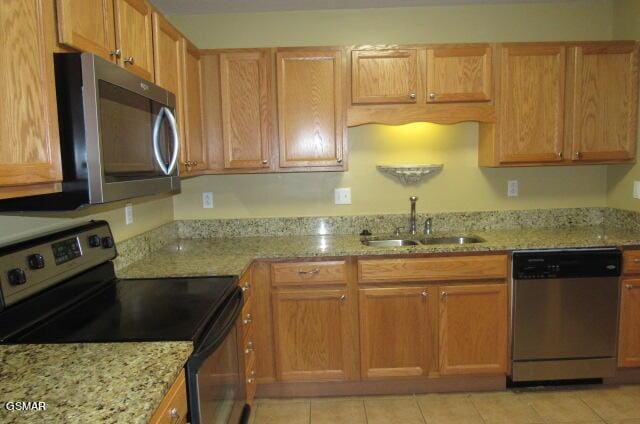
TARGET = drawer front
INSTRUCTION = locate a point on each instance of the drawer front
(631, 262)
(173, 408)
(295, 273)
(433, 269)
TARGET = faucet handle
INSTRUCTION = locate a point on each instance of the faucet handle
(397, 232)
(413, 198)
(427, 226)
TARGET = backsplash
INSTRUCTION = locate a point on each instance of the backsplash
(142, 245)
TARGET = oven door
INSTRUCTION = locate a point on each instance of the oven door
(214, 373)
(132, 142)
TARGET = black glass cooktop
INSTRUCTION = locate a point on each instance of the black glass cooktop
(136, 310)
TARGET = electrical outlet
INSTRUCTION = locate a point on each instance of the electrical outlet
(207, 200)
(342, 196)
(512, 188)
(128, 214)
(636, 189)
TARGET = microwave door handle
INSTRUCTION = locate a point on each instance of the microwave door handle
(176, 140)
(156, 140)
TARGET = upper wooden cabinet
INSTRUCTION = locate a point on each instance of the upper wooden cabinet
(473, 329)
(88, 25)
(604, 102)
(311, 110)
(395, 332)
(29, 145)
(313, 335)
(459, 74)
(167, 59)
(194, 147)
(629, 337)
(134, 36)
(384, 76)
(246, 104)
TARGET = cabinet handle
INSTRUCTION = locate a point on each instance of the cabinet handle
(339, 160)
(432, 96)
(248, 319)
(311, 272)
(424, 294)
(246, 287)
(264, 161)
(636, 260)
(631, 287)
(559, 155)
(251, 380)
(343, 298)
(249, 348)
(578, 155)
(174, 415)
(443, 295)
(115, 53)
(412, 95)
(129, 60)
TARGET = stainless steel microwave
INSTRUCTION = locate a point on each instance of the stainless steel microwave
(118, 136)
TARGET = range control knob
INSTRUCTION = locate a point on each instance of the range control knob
(95, 240)
(107, 242)
(16, 277)
(36, 261)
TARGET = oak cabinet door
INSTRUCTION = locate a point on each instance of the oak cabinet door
(246, 109)
(629, 337)
(459, 74)
(167, 59)
(395, 332)
(29, 141)
(473, 329)
(194, 148)
(88, 25)
(134, 36)
(311, 113)
(531, 110)
(605, 102)
(384, 76)
(313, 335)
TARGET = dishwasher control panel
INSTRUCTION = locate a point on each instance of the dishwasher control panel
(575, 263)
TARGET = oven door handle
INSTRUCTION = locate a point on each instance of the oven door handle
(219, 329)
(156, 140)
(176, 140)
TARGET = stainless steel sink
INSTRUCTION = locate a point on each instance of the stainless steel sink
(389, 242)
(451, 240)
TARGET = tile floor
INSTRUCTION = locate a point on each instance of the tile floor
(611, 405)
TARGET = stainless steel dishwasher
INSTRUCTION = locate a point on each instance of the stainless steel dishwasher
(565, 314)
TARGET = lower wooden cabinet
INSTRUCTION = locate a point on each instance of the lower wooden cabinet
(247, 338)
(395, 332)
(473, 329)
(173, 408)
(313, 335)
(629, 335)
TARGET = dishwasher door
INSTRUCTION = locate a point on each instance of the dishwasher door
(564, 328)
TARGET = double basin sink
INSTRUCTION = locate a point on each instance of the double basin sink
(426, 240)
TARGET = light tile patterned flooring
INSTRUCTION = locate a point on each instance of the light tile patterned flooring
(611, 405)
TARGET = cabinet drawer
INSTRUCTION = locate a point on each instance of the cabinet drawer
(433, 269)
(173, 408)
(631, 262)
(294, 273)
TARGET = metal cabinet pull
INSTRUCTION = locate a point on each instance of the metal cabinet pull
(578, 155)
(129, 60)
(631, 287)
(339, 160)
(251, 380)
(343, 298)
(443, 295)
(174, 415)
(246, 287)
(636, 260)
(432, 96)
(559, 155)
(264, 161)
(248, 319)
(412, 95)
(249, 348)
(115, 53)
(424, 294)
(311, 272)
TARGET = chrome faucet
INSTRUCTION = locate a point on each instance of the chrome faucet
(427, 227)
(412, 220)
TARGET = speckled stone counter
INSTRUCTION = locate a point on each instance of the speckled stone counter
(231, 256)
(89, 382)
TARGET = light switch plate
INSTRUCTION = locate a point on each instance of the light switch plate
(342, 196)
(636, 189)
(128, 214)
(512, 188)
(207, 200)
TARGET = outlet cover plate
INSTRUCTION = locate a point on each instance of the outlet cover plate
(512, 188)
(342, 196)
(128, 214)
(207, 200)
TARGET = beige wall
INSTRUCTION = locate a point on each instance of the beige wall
(626, 19)
(462, 185)
(149, 212)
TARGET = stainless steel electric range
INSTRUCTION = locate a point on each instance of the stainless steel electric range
(61, 287)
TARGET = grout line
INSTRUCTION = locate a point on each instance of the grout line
(415, 399)
(364, 409)
(590, 408)
(309, 404)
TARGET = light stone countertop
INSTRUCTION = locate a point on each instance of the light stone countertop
(89, 382)
(231, 256)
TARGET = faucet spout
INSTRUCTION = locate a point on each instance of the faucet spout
(412, 221)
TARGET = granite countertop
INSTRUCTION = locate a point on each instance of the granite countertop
(231, 256)
(89, 382)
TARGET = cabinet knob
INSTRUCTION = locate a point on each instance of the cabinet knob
(559, 155)
(339, 160)
(424, 294)
(248, 319)
(578, 155)
(174, 415)
(264, 161)
(246, 287)
(343, 298)
(412, 95)
(129, 60)
(251, 380)
(432, 96)
(188, 164)
(249, 348)
(115, 53)
(631, 287)
(443, 295)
